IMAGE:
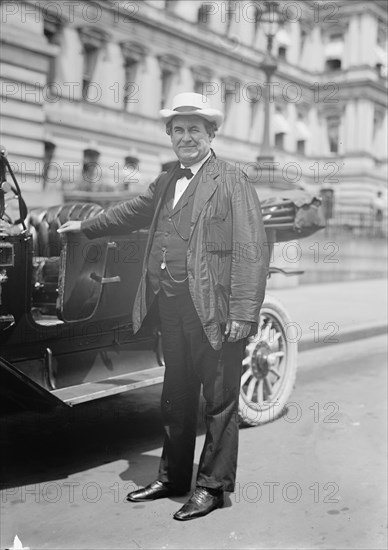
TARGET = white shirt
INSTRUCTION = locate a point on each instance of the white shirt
(182, 184)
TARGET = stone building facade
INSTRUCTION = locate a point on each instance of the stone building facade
(83, 82)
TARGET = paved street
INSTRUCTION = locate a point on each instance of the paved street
(312, 479)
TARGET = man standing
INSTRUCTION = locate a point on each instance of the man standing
(206, 263)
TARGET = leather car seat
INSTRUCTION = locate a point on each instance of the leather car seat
(43, 223)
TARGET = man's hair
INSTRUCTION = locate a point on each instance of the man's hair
(211, 127)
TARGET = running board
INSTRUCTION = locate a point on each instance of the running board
(19, 392)
(74, 395)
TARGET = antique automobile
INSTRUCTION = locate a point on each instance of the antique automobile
(65, 312)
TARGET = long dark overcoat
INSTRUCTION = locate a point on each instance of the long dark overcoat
(227, 254)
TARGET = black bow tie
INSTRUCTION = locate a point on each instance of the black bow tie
(184, 173)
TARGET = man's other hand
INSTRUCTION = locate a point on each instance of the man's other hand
(236, 330)
(70, 226)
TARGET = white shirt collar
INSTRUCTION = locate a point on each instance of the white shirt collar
(195, 167)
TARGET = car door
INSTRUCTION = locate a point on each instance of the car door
(99, 277)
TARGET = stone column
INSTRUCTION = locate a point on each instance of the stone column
(367, 38)
(350, 127)
(246, 26)
(185, 82)
(365, 119)
(353, 43)
(151, 86)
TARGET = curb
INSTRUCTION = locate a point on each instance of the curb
(348, 334)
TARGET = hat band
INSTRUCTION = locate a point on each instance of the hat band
(186, 109)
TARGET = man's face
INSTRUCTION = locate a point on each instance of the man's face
(189, 139)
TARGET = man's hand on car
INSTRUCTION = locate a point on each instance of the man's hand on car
(70, 226)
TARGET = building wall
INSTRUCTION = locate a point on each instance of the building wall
(307, 92)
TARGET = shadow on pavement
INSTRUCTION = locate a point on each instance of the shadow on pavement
(39, 447)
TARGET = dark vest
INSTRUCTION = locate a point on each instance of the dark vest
(169, 245)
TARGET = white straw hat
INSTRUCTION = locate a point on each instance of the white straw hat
(192, 104)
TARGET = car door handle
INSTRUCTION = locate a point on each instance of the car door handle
(104, 280)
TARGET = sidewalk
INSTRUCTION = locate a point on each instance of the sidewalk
(334, 313)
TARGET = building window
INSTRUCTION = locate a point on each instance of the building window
(93, 40)
(133, 55)
(199, 86)
(333, 124)
(52, 28)
(283, 41)
(131, 171)
(49, 149)
(334, 50)
(302, 132)
(201, 77)
(333, 65)
(254, 111)
(381, 50)
(131, 71)
(167, 80)
(170, 5)
(252, 97)
(279, 140)
(169, 69)
(378, 120)
(336, 37)
(203, 15)
(303, 37)
(89, 66)
(230, 90)
(91, 169)
(300, 146)
(231, 10)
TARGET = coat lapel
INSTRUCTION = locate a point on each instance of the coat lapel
(205, 189)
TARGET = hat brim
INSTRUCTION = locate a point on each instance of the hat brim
(212, 115)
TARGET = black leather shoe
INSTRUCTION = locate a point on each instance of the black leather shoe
(156, 489)
(201, 502)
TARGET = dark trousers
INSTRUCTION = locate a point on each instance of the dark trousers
(191, 361)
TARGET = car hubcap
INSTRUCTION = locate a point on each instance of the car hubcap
(264, 365)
